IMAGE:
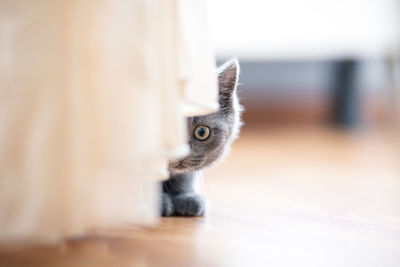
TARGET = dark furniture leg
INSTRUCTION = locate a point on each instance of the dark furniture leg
(345, 98)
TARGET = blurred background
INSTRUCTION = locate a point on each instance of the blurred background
(318, 159)
(312, 62)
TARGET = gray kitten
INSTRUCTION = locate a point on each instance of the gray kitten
(210, 139)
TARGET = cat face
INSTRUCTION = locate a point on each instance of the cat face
(210, 136)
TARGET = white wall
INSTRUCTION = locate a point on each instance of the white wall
(292, 29)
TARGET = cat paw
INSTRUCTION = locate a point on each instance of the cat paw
(167, 207)
(189, 205)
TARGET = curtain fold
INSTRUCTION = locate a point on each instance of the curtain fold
(93, 96)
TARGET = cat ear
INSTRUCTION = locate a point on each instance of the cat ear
(227, 81)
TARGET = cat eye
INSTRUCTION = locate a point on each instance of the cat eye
(202, 133)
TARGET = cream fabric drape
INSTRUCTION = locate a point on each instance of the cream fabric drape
(93, 96)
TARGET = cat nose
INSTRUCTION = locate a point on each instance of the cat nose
(190, 144)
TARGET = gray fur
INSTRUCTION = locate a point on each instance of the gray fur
(179, 191)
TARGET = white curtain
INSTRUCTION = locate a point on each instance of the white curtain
(93, 96)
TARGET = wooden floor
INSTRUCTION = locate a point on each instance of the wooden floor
(284, 197)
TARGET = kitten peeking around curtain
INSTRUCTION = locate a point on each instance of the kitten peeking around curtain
(210, 139)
